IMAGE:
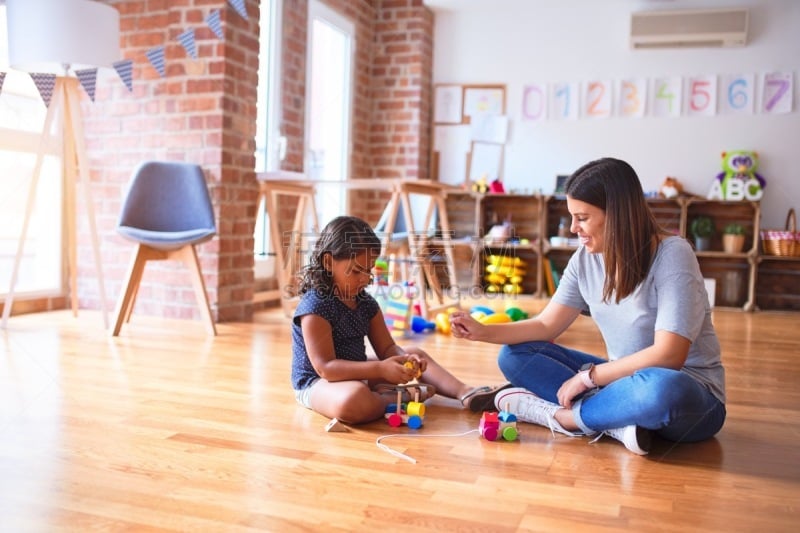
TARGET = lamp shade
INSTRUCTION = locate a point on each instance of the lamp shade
(50, 36)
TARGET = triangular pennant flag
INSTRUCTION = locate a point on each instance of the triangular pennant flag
(124, 69)
(214, 22)
(156, 57)
(2, 80)
(88, 79)
(238, 5)
(187, 40)
(45, 83)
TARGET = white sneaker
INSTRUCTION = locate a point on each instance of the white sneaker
(530, 408)
(635, 438)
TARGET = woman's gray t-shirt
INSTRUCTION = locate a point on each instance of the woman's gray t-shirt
(672, 298)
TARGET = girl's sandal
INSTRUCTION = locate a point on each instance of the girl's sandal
(481, 399)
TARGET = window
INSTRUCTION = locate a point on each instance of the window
(270, 146)
(22, 115)
(328, 101)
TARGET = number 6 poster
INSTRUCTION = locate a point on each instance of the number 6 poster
(736, 93)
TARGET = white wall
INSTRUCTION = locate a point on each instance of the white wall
(517, 42)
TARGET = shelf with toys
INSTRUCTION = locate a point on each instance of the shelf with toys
(734, 272)
(779, 267)
(491, 230)
(547, 246)
(497, 241)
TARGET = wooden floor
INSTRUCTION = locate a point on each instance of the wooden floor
(165, 429)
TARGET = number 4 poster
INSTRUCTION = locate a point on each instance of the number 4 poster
(665, 98)
(777, 93)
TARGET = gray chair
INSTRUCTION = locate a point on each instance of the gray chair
(167, 211)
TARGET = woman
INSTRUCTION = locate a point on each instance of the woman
(644, 289)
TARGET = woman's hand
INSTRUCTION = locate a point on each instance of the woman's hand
(463, 326)
(570, 389)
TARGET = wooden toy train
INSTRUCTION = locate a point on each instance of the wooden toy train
(410, 413)
(498, 425)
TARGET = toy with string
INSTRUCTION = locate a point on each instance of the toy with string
(498, 426)
(493, 426)
(412, 412)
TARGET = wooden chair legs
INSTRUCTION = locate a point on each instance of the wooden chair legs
(188, 256)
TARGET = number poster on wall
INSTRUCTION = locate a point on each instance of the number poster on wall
(665, 96)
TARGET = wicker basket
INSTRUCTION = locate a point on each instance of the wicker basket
(783, 242)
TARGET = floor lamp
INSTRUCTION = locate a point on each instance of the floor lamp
(61, 37)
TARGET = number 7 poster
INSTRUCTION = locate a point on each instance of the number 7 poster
(776, 93)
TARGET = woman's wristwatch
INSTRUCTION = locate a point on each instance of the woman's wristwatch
(585, 374)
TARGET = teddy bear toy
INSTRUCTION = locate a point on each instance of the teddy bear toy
(739, 179)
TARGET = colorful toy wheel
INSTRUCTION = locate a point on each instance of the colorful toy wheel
(395, 420)
(490, 433)
(416, 408)
(414, 422)
(391, 408)
(510, 433)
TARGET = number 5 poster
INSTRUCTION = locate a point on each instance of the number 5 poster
(701, 96)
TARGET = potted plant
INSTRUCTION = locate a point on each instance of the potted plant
(733, 238)
(702, 229)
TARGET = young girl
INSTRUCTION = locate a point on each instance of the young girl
(644, 289)
(331, 372)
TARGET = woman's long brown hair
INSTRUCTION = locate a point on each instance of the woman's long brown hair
(631, 230)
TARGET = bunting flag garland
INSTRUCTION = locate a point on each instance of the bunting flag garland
(215, 23)
(124, 69)
(187, 40)
(45, 83)
(88, 79)
(240, 8)
(156, 57)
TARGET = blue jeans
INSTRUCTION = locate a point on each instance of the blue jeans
(669, 402)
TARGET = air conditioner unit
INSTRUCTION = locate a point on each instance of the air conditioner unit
(695, 28)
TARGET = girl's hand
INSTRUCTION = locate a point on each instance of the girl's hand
(571, 388)
(394, 369)
(463, 326)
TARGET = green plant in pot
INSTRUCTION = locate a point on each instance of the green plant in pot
(733, 236)
(702, 229)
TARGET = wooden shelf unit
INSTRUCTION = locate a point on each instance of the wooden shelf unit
(536, 218)
(472, 216)
(777, 281)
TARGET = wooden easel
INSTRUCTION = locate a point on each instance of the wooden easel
(65, 103)
(271, 191)
(290, 185)
(425, 275)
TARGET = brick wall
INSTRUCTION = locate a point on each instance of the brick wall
(201, 112)
(204, 112)
(392, 91)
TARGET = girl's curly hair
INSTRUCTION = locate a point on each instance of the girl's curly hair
(343, 237)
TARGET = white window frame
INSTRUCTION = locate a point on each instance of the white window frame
(41, 271)
(270, 144)
(320, 11)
